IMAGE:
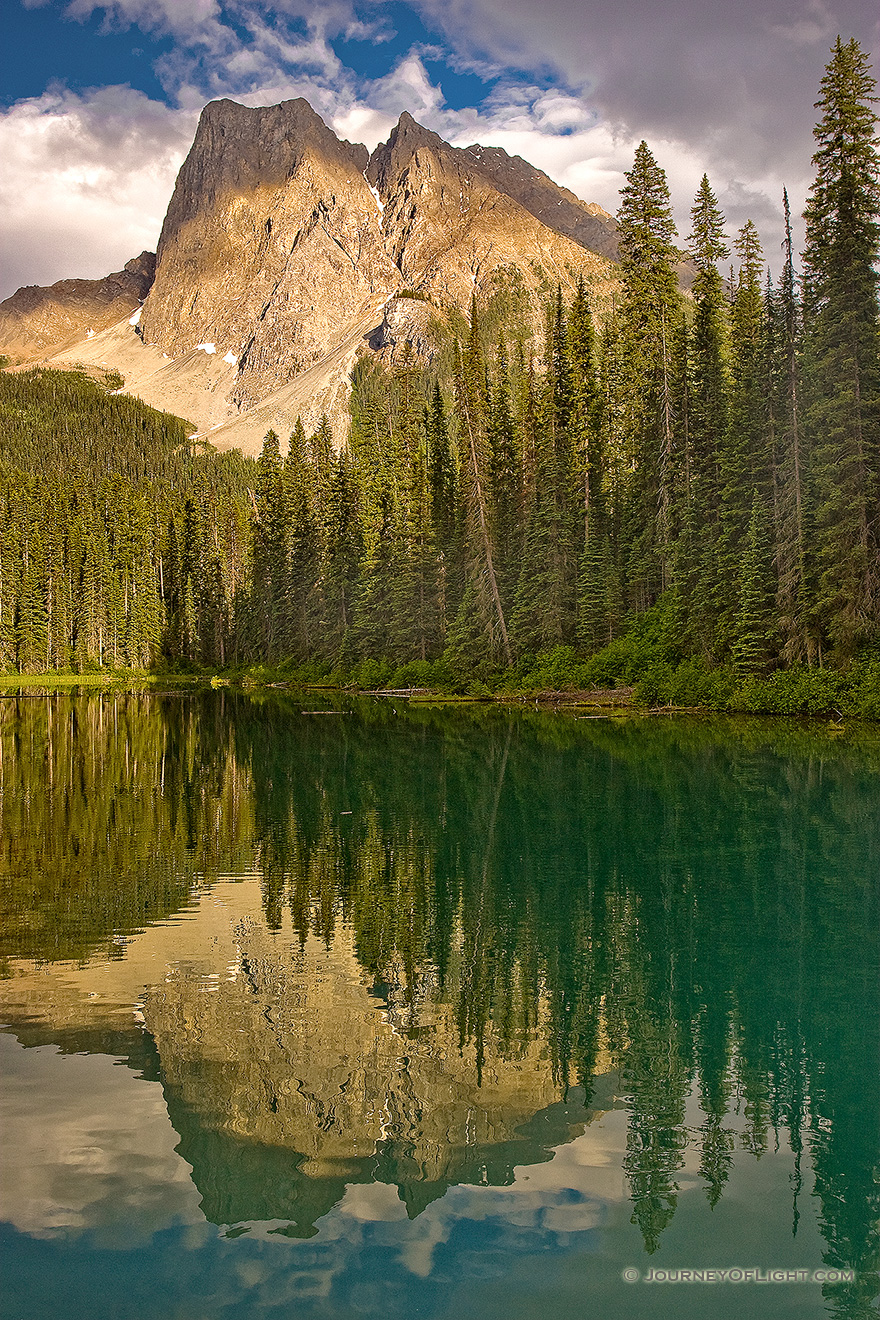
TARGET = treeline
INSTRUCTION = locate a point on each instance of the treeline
(120, 543)
(710, 463)
(719, 455)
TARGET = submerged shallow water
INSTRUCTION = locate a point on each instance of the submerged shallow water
(399, 1011)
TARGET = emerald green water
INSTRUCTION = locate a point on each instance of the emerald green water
(394, 1011)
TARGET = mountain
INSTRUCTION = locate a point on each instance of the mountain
(286, 253)
(270, 247)
(37, 319)
(454, 231)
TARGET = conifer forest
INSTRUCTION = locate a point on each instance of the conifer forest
(678, 488)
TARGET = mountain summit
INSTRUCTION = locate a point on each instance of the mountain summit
(285, 250)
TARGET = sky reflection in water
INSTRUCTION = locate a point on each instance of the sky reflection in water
(432, 1014)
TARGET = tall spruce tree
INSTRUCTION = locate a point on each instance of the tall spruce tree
(709, 399)
(583, 403)
(544, 612)
(270, 538)
(443, 487)
(843, 352)
(752, 640)
(482, 593)
(790, 455)
(505, 490)
(649, 314)
(745, 467)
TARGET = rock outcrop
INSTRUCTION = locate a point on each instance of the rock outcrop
(407, 325)
(36, 319)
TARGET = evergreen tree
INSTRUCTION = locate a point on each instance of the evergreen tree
(271, 531)
(483, 595)
(375, 606)
(344, 547)
(791, 459)
(583, 407)
(753, 631)
(649, 314)
(589, 443)
(843, 347)
(31, 623)
(709, 394)
(545, 605)
(505, 492)
(443, 487)
(745, 466)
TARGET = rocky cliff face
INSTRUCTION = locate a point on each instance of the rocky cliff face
(37, 319)
(285, 251)
(270, 246)
(455, 228)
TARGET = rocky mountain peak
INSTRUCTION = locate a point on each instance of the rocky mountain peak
(270, 245)
(391, 158)
(238, 149)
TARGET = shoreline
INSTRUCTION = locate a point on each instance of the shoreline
(579, 703)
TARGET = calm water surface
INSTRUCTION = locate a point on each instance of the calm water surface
(397, 1012)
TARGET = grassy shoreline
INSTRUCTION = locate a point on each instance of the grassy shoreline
(551, 683)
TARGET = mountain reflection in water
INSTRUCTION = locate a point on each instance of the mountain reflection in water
(428, 948)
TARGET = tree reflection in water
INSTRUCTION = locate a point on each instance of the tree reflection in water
(683, 914)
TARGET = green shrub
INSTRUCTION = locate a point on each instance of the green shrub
(865, 694)
(422, 674)
(693, 682)
(796, 691)
(371, 674)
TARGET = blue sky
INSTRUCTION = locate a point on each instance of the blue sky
(45, 44)
(100, 98)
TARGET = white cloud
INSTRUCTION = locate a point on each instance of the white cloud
(86, 182)
(735, 82)
(407, 87)
(727, 89)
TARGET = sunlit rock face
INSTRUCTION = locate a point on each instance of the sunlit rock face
(454, 233)
(37, 320)
(585, 222)
(270, 246)
(299, 1050)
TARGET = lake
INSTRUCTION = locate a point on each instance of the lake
(325, 1007)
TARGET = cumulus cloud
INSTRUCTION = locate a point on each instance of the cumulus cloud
(86, 181)
(739, 80)
(574, 87)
